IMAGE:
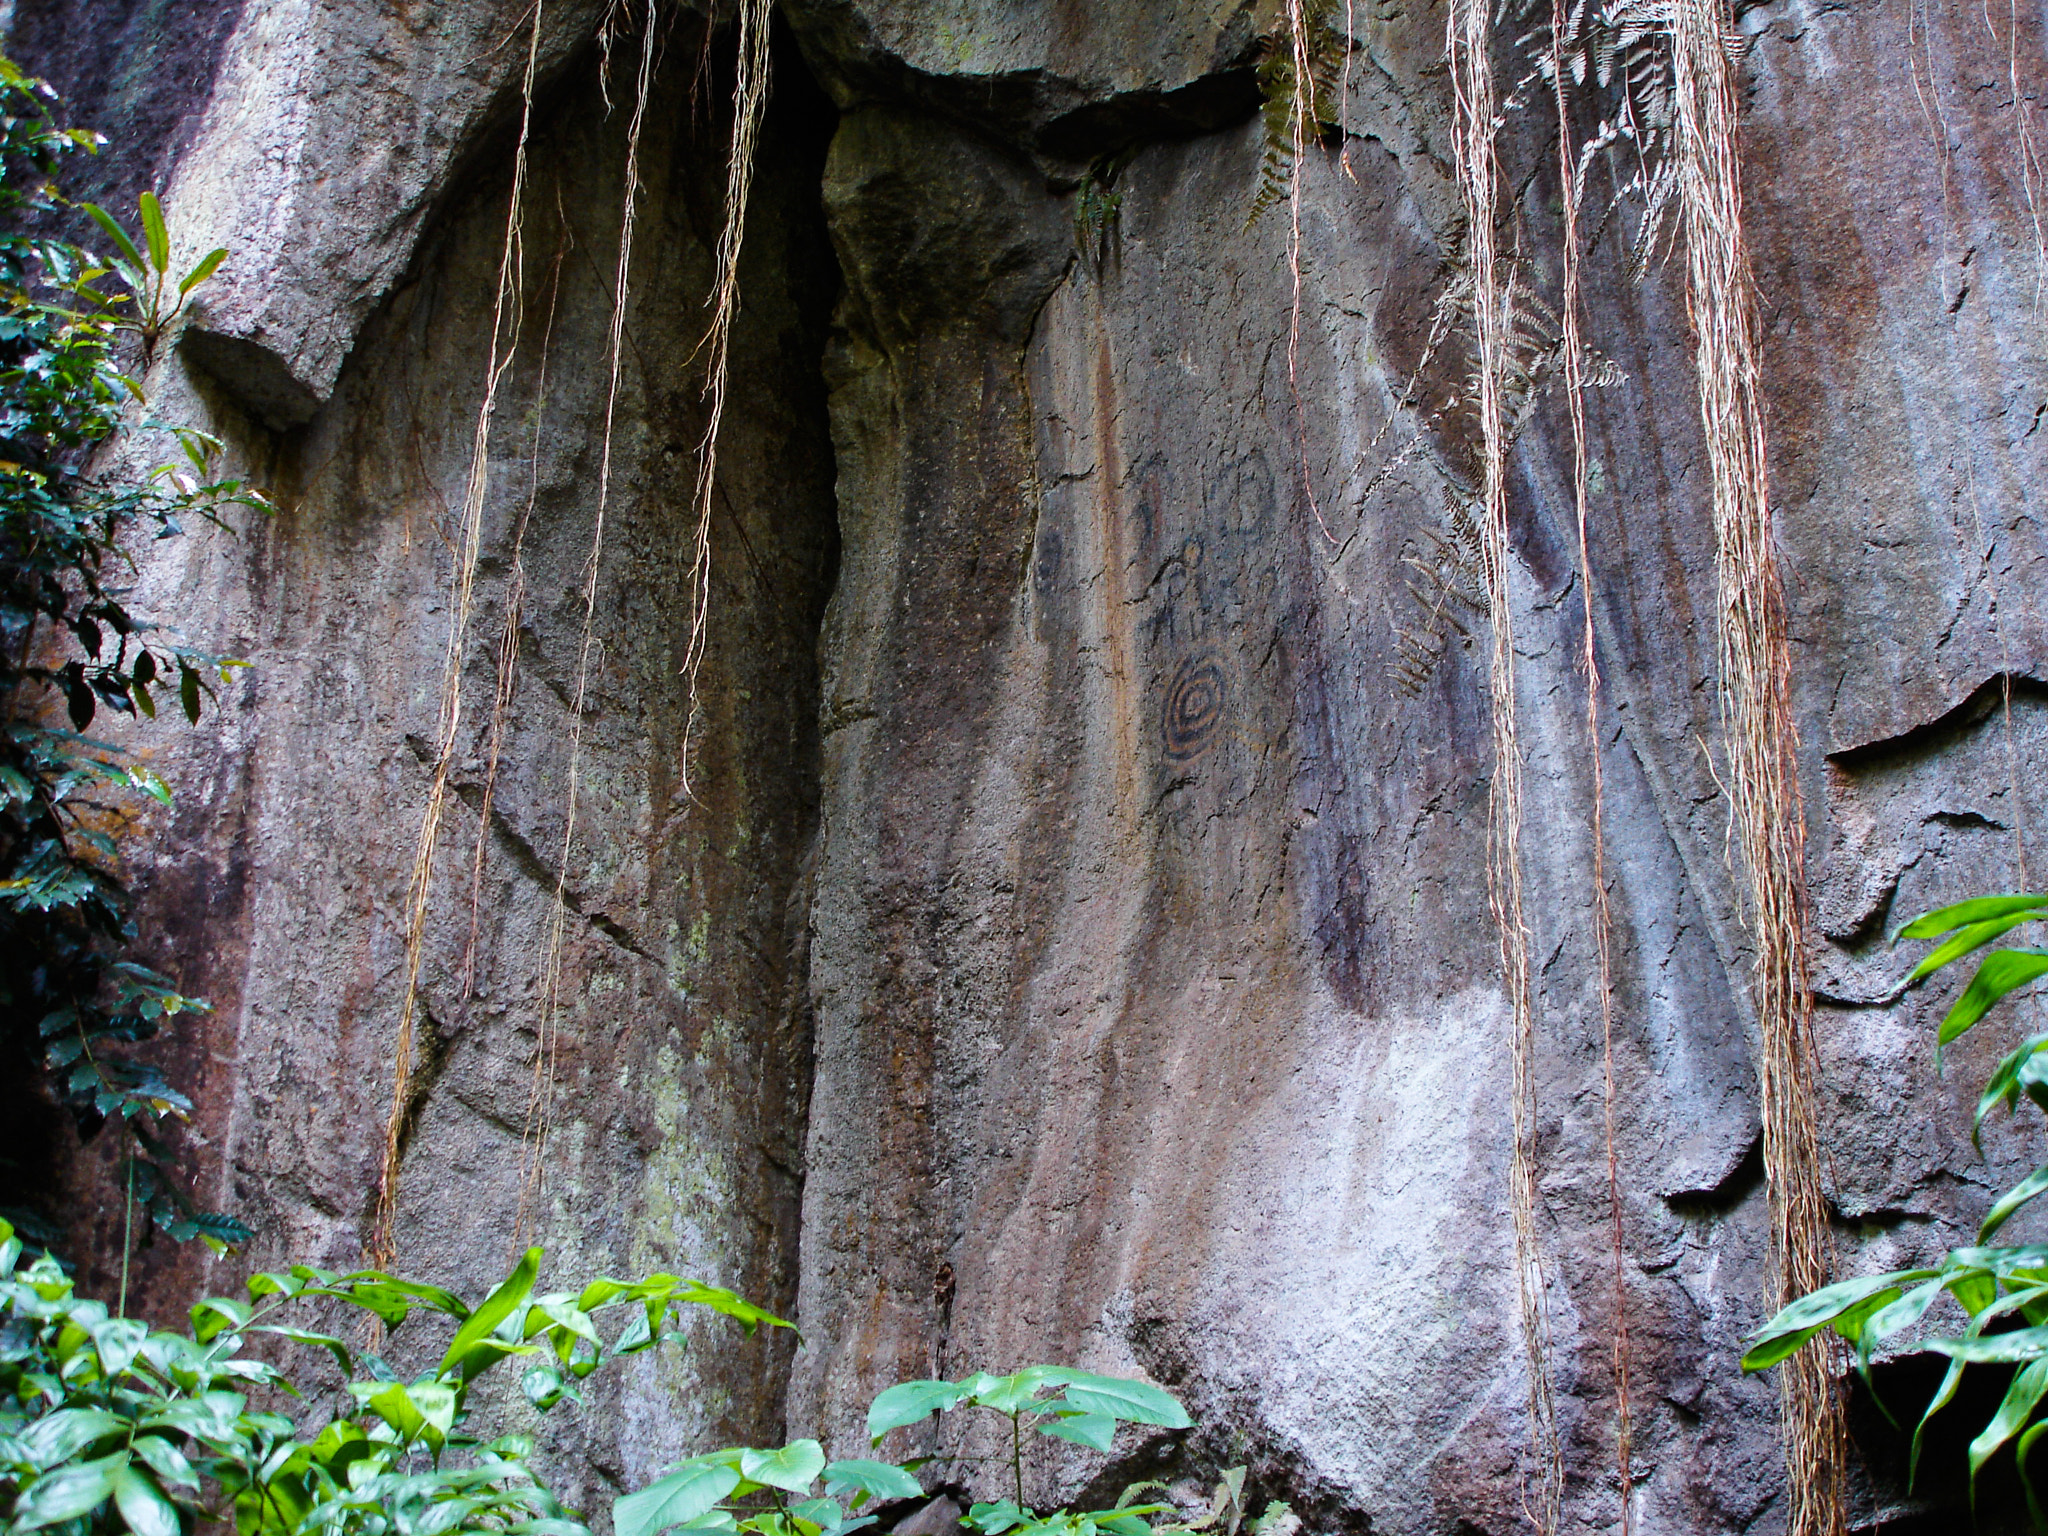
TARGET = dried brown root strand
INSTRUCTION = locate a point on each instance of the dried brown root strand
(547, 1038)
(1762, 735)
(505, 316)
(750, 99)
(1574, 358)
(1478, 113)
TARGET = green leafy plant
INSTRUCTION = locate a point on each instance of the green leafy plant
(2001, 1291)
(1098, 210)
(795, 1491)
(107, 1425)
(71, 646)
(1296, 105)
(1063, 1404)
(146, 270)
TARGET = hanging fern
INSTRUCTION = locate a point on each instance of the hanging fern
(1098, 210)
(1288, 100)
(1447, 579)
(1620, 55)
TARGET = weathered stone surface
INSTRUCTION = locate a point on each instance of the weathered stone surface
(317, 142)
(1064, 78)
(1177, 1047)
(1139, 905)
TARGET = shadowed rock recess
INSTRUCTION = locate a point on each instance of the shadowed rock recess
(1077, 946)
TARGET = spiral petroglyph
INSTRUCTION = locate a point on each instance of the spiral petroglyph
(1193, 706)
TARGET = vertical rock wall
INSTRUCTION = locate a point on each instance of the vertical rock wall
(676, 1080)
(1080, 948)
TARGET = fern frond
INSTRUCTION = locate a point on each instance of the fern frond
(1289, 106)
(1447, 582)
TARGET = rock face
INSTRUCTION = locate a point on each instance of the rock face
(1074, 942)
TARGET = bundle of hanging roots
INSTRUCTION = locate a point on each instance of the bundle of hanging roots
(1674, 64)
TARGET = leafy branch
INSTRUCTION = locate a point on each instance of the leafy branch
(72, 646)
(2001, 1291)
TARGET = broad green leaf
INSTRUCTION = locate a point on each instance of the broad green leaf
(638, 1334)
(202, 271)
(793, 1468)
(1016, 1392)
(730, 1303)
(343, 1356)
(390, 1299)
(907, 1402)
(1932, 925)
(819, 1514)
(993, 1519)
(871, 1480)
(1892, 1318)
(463, 1351)
(1969, 940)
(2010, 1203)
(2020, 1455)
(210, 1416)
(680, 1498)
(2033, 1081)
(1802, 1319)
(563, 1313)
(66, 1493)
(602, 1293)
(2022, 1344)
(1134, 1401)
(61, 1436)
(2002, 971)
(1097, 1431)
(142, 1503)
(155, 232)
(2023, 1293)
(545, 1386)
(271, 1283)
(424, 1410)
(2012, 1415)
(2005, 1084)
(1972, 1288)
(119, 1340)
(216, 1314)
(168, 1461)
(122, 243)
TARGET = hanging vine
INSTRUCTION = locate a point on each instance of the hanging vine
(547, 1038)
(1572, 190)
(749, 100)
(1761, 732)
(1468, 37)
(750, 95)
(504, 345)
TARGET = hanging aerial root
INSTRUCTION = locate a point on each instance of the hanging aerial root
(1762, 735)
(547, 1039)
(749, 100)
(513, 618)
(1303, 126)
(504, 346)
(1572, 184)
(1477, 119)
